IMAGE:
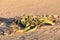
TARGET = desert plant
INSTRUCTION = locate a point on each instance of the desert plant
(30, 22)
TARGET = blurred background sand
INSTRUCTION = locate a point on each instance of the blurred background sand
(12, 8)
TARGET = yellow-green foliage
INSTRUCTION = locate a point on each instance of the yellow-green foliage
(30, 22)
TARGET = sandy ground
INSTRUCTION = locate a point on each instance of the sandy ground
(43, 33)
(12, 8)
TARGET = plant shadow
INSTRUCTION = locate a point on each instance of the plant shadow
(7, 21)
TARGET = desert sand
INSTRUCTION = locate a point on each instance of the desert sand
(12, 8)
